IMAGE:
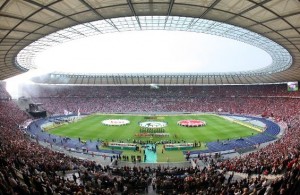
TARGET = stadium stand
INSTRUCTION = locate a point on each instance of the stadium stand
(232, 99)
(27, 167)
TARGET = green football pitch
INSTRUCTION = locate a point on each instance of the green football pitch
(91, 128)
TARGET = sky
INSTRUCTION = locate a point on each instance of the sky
(151, 51)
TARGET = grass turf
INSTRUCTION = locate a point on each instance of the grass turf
(91, 128)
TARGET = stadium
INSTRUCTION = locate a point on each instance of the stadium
(170, 126)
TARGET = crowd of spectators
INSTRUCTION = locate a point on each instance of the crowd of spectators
(268, 100)
(275, 158)
(29, 168)
(47, 91)
(35, 90)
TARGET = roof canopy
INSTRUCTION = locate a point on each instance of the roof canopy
(24, 22)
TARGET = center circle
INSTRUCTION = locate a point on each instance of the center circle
(153, 124)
